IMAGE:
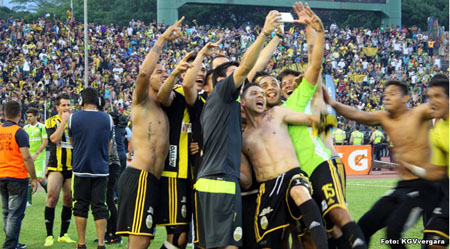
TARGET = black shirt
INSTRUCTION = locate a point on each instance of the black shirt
(221, 125)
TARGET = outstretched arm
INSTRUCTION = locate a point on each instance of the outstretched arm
(252, 53)
(308, 17)
(297, 118)
(190, 93)
(150, 61)
(165, 94)
(266, 54)
(367, 118)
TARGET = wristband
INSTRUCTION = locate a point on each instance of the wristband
(418, 171)
(267, 35)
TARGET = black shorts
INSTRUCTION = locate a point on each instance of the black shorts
(175, 202)
(219, 211)
(437, 226)
(337, 162)
(248, 220)
(67, 174)
(138, 192)
(90, 191)
(328, 190)
(276, 209)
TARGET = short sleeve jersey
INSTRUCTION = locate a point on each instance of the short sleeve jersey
(221, 125)
(311, 151)
(439, 143)
(60, 154)
(37, 134)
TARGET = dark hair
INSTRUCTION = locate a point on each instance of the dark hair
(61, 96)
(33, 111)
(12, 109)
(400, 84)
(440, 80)
(246, 87)
(221, 71)
(192, 58)
(287, 72)
(259, 74)
(90, 96)
(209, 73)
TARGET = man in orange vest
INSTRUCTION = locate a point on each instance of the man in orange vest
(15, 165)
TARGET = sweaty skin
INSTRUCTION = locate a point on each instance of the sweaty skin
(266, 140)
(407, 128)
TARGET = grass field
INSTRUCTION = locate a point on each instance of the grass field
(361, 194)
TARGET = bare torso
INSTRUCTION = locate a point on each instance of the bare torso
(150, 137)
(269, 147)
(409, 135)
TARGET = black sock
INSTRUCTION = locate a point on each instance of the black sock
(341, 243)
(66, 215)
(49, 215)
(354, 236)
(313, 221)
(331, 243)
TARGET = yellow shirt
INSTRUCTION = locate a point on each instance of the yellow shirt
(439, 143)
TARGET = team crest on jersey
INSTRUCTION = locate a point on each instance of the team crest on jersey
(183, 211)
(264, 222)
(237, 235)
(149, 221)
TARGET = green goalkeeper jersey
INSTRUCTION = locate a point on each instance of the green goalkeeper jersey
(37, 134)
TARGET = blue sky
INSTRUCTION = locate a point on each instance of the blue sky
(7, 4)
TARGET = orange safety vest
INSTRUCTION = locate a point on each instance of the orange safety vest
(11, 161)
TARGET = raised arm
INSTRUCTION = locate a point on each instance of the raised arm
(367, 118)
(190, 93)
(150, 61)
(307, 16)
(252, 53)
(165, 94)
(266, 54)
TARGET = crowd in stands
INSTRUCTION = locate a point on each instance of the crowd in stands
(40, 59)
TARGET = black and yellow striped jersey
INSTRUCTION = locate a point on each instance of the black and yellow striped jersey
(177, 161)
(61, 153)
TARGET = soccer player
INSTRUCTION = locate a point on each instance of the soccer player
(59, 170)
(139, 187)
(408, 129)
(284, 193)
(38, 142)
(217, 189)
(437, 226)
(314, 157)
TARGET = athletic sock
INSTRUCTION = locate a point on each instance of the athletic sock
(168, 245)
(313, 221)
(29, 195)
(354, 236)
(331, 243)
(49, 218)
(66, 215)
(341, 243)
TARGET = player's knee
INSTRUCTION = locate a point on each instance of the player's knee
(177, 235)
(52, 199)
(138, 242)
(339, 216)
(67, 200)
(299, 194)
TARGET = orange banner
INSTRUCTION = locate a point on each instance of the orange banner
(356, 158)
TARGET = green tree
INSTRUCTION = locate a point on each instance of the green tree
(416, 12)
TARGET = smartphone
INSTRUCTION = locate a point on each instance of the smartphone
(286, 17)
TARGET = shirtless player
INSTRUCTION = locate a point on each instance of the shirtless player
(138, 187)
(408, 130)
(284, 194)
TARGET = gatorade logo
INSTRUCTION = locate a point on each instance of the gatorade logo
(357, 160)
